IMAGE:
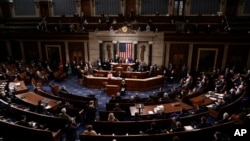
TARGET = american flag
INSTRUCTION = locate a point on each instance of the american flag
(125, 50)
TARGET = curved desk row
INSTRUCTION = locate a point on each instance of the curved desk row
(204, 134)
(132, 84)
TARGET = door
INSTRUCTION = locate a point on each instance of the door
(77, 56)
(44, 9)
(178, 7)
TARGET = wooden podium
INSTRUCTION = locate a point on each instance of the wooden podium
(112, 90)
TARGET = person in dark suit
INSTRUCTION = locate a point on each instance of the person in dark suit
(23, 121)
(153, 129)
(40, 108)
(203, 123)
(117, 107)
(178, 127)
(136, 117)
(123, 88)
(119, 75)
(71, 131)
(117, 58)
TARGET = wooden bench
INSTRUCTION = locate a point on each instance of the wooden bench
(130, 127)
(204, 134)
(12, 131)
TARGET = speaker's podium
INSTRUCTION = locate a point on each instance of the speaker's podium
(112, 90)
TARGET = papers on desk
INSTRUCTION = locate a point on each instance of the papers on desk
(47, 107)
(210, 106)
(150, 112)
(248, 115)
(212, 98)
(188, 128)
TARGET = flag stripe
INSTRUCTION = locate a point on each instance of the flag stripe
(125, 50)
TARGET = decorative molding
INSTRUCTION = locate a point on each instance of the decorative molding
(125, 29)
(150, 42)
(99, 41)
(135, 42)
(114, 42)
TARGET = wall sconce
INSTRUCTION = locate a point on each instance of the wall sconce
(78, 2)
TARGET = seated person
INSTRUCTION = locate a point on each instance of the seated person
(40, 108)
(113, 99)
(153, 129)
(112, 118)
(178, 127)
(89, 131)
(203, 123)
(64, 114)
(119, 74)
(224, 119)
(117, 107)
(176, 116)
(23, 121)
(136, 117)
(110, 75)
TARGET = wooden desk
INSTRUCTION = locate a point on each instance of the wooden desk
(18, 87)
(201, 100)
(123, 65)
(132, 84)
(33, 98)
(112, 90)
(168, 108)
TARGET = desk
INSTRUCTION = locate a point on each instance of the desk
(132, 84)
(33, 98)
(201, 100)
(18, 87)
(112, 90)
(168, 108)
(123, 65)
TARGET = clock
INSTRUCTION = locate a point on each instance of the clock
(124, 29)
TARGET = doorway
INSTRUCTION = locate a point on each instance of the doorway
(179, 7)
